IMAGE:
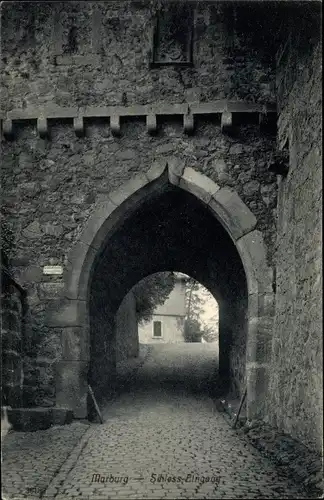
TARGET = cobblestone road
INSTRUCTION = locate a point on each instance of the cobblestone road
(32, 459)
(163, 438)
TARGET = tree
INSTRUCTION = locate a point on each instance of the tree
(210, 334)
(192, 330)
(152, 292)
(193, 300)
(197, 296)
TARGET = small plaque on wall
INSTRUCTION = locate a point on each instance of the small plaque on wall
(58, 270)
(173, 34)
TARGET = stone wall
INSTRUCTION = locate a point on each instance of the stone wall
(56, 190)
(109, 61)
(126, 329)
(237, 355)
(82, 54)
(13, 310)
(295, 401)
(232, 339)
(51, 186)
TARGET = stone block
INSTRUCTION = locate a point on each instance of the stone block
(49, 348)
(10, 340)
(8, 129)
(61, 416)
(96, 22)
(42, 127)
(32, 274)
(127, 154)
(20, 261)
(77, 271)
(156, 170)
(75, 344)
(15, 300)
(12, 368)
(253, 254)
(188, 123)
(257, 378)
(28, 395)
(251, 188)
(33, 230)
(115, 125)
(78, 60)
(175, 170)
(101, 213)
(11, 321)
(30, 419)
(227, 122)
(151, 124)
(164, 149)
(197, 184)
(232, 213)
(78, 125)
(220, 166)
(258, 348)
(72, 386)
(261, 305)
(51, 290)
(236, 149)
(127, 189)
(52, 229)
(12, 394)
(66, 313)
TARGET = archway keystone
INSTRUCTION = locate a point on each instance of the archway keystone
(230, 210)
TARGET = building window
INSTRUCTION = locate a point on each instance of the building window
(157, 328)
(173, 33)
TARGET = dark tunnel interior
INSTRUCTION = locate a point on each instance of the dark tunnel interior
(171, 230)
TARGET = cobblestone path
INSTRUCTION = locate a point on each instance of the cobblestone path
(32, 459)
(163, 438)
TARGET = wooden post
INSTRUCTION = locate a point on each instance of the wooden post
(95, 403)
(240, 407)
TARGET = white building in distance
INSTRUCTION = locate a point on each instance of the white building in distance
(167, 322)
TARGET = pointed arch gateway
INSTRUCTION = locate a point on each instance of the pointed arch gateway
(71, 313)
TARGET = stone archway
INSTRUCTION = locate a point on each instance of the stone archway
(72, 313)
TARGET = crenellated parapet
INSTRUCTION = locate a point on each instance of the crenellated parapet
(229, 114)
